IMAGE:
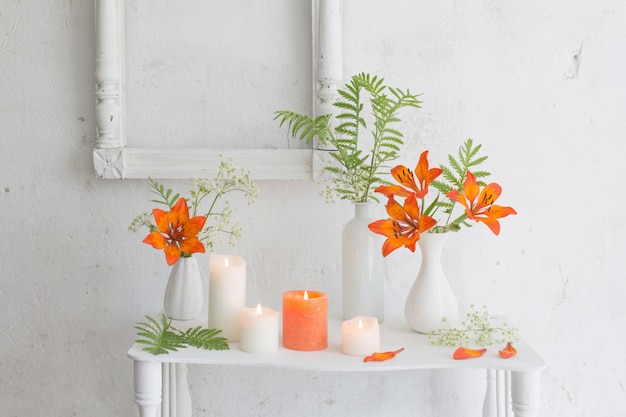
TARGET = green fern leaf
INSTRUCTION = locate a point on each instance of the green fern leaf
(158, 338)
(165, 195)
(358, 169)
(453, 178)
(449, 176)
(475, 162)
(481, 174)
(205, 339)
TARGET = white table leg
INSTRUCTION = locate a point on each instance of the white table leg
(525, 392)
(501, 398)
(176, 397)
(489, 405)
(165, 402)
(508, 412)
(183, 397)
(147, 380)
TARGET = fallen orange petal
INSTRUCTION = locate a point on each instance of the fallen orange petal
(465, 353)
(509, 351)
(379, 357)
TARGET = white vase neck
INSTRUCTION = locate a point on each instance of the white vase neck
(432, 241)
(362, 209)
(434, 236)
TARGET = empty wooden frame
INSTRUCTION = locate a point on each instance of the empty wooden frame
(113, 157)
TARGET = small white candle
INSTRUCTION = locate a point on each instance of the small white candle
(259, 330)
(360, 336)
(227, 294)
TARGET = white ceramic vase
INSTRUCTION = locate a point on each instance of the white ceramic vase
(431, 298)
(362, 267)
(183, 294)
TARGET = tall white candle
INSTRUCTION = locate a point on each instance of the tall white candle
(227, 294)
(360, 336)
(259, 330)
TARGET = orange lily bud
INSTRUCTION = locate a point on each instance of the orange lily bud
(509, 351)
(465, 353)
(379, 357)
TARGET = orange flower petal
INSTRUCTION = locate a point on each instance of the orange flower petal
(193, 226)
(392, 190)
(379, 357)
(492, 224)
(192, 245)
(156, 239)
(392, 244)
(411, 207)
(470, 187)
(425, 175)
(172, 254)
(405, 177)
(465, 353)
(410, 241)
(458, 197)
(179, 214)
(160, 218)
(425, 223)
(508, 352)
(499, 211)
(383, 227)
(395, 210)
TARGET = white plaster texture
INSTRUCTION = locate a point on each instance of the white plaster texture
(540, 84)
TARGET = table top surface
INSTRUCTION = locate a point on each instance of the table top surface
(419, 353)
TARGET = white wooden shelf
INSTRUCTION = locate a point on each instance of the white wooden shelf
(512, 384)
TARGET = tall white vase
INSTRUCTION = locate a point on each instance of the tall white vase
(362, 267)
(431, 298)
(183, 294)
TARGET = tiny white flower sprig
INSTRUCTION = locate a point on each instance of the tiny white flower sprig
(477, 329)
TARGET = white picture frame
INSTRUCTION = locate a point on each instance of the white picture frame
(114, 158)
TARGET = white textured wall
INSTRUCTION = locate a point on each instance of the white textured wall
(540, 84)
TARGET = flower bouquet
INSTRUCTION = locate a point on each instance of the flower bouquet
(190, 225)
(431, 298)
(459, 186)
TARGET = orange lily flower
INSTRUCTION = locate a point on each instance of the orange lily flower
(508, 352)
(405, 177)
(379, 357)
(177, 233)
(479, 204)
(465, 353)
(404, 226)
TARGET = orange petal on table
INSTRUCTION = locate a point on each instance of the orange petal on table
(465, 353)
(379, 357)
(508, 352)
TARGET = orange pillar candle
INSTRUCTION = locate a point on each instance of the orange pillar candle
(305, 320)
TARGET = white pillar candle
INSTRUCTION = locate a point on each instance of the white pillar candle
(360, 336)
(227, 294)
(259, 330)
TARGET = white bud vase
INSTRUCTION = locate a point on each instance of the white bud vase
(362, 267)
(183, 294)
(431, 298)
